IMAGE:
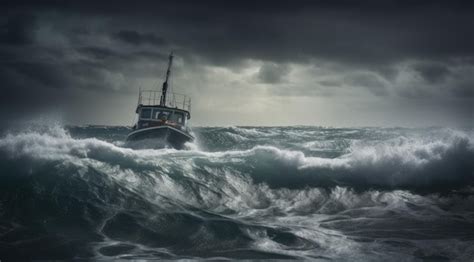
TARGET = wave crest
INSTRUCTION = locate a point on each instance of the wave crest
(402, 162)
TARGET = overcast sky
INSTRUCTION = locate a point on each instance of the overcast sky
(328, 63)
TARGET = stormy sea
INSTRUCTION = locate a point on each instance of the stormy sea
(318, 193)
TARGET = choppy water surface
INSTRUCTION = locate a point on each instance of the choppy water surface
(239, 192)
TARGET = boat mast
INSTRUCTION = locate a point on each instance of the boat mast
(165, 84)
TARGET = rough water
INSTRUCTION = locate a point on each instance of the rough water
(354, 194)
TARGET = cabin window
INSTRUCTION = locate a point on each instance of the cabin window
(145, 113)
(159, 114)
(177, 117)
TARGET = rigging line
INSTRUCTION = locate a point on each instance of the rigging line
(158, 82)
(135, 115)
(171, 88)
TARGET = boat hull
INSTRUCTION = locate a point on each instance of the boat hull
(158, 137)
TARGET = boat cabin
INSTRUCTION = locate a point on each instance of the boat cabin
(149, 116)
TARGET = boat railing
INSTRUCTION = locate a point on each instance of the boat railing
(173, 100)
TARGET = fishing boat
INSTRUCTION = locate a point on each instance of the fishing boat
(162, 118)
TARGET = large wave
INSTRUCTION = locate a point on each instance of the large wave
(92, 198)
(444, 161)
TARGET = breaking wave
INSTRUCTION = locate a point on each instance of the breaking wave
(302, 192)
(401, 162)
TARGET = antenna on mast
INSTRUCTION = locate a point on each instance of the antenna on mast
(165, 84)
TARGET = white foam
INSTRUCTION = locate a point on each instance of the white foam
(393, 161)
(248, 132)
(236, 137)
(222, 182)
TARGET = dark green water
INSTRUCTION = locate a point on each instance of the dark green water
(354, 194)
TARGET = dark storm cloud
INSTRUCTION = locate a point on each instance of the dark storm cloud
(44, 74)
(108, 57)
(97, 52)
(136, 38)
(87, 45)
(18, 29)
(432, 72)
(362, 32)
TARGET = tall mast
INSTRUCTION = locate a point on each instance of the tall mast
(165, 84)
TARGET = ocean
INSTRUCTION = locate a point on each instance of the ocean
(316, 193)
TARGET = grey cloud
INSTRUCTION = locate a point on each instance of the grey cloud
(272, 73)
(137, 38)
(465, 89)
(432, 72)
(412, 91)
(36, 74)
(108, 57)
(374, 83)
(97, 52)
(462, 84)
(330, 83)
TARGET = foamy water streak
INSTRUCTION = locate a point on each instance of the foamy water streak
(285, 192)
